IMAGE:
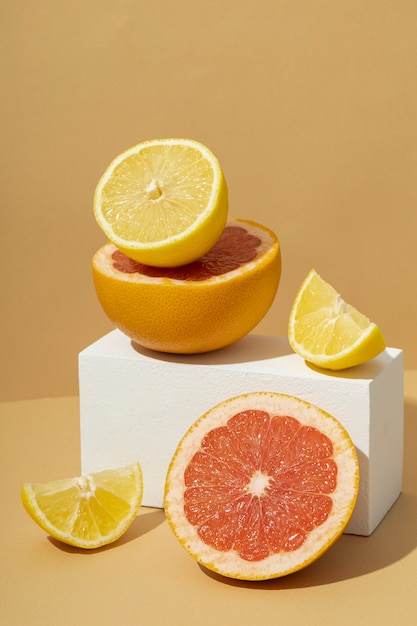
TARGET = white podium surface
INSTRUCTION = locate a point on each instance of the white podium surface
(136, 405)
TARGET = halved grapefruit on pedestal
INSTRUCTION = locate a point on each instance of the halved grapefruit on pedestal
(197, 307)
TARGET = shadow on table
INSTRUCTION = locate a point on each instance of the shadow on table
(352, 556)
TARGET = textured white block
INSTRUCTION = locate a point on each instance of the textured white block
(136, 405)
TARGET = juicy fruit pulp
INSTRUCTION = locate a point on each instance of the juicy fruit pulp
(274, 497)
(261, 485)
(86, 511)
(235, 247)
(328, 332)
(202, 306)
(163, 202)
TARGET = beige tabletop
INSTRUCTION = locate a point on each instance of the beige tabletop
(147, 578)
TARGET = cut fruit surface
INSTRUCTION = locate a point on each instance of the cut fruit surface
(261, 485)
(328, 332)
(87, 511)
(197, 307)
(163, 202)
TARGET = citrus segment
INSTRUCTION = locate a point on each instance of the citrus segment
(198, 307)
(261, 485)
(163, 202)
(328, 332)
(87, 511)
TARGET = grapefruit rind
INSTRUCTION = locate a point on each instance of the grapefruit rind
(186, 317)
(344, 497)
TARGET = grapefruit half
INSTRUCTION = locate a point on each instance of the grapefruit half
(261, 486)
(198, 307)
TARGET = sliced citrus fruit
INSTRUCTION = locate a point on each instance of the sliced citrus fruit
(261, 485)
(198, 307)
(328, 332)
(87, 511)
(163, 202)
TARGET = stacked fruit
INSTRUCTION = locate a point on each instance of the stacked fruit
(177, 275)
(264, 483)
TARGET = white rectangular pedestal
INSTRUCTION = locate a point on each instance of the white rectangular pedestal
(136, 405)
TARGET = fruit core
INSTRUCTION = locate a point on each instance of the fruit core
(340, 306)
(154, 190)
(235, 247)
(86, 486)
(260, 484)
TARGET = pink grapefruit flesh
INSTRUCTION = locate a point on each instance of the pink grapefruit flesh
(261, 485)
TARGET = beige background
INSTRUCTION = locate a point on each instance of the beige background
(310, 107)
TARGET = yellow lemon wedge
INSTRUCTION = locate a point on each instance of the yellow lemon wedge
(163, 202)
(328, 332)
(88, 511)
